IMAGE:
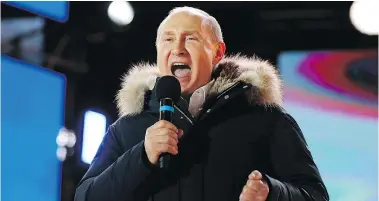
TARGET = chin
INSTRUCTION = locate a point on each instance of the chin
(186, 89)
(184, 84)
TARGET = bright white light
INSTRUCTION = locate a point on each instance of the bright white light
(121, 12)
(94, 129)
(364, 15)
(66, 138)
(62, 138)
(71, 141)
(61, 153)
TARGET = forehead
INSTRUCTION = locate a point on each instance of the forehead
(183, 22)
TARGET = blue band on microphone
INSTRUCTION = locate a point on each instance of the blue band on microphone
(166, 108)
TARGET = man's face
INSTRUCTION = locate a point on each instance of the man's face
(186, 51)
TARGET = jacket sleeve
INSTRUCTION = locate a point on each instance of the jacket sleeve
(115, 174)
(298, 178)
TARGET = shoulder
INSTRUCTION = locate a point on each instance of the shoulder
(282, 124)
(132, 128)
(273, 113)
(133, 121)
(126, 121)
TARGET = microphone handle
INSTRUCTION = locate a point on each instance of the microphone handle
(166, 110)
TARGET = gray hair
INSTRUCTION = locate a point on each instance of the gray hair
(208, 21)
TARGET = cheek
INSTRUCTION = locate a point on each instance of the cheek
(162, 59)
(202, 58)
(199, 53)
(162, 53)
(208, 51)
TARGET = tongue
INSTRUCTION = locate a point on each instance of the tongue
(182, 73)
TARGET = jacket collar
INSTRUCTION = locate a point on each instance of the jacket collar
(261, 75)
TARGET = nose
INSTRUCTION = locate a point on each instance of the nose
(178, 49)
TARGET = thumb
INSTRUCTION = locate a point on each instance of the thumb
(181, 132)
(255, 175)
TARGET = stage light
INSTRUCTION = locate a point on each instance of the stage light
(94, 129)
(66, 138)
(62, 153)
(121, 12)
(364, 16)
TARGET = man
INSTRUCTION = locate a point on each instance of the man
(229, 138)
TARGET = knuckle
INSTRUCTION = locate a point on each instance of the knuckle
(163, 123)
(171, 148)
(167, 139)
(170, 133)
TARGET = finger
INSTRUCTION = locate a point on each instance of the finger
(247, 194)
(259, 198)
(165, 131)
(158, 124)
(181, 133)
(166, 148)
(165, 124)
(257, 185)
(263, 192)
(244, 198)
(256, 175)
(168, 139)
(249, 190)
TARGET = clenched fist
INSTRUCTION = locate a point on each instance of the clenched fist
(162, 137)
(256, 189)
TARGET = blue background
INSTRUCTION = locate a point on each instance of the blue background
(32, 103)
(55, 10)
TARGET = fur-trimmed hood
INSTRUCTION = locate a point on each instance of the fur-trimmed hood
(264, 78)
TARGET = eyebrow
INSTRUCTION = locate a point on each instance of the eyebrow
(185, 32)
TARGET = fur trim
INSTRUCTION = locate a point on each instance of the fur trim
(266, 90)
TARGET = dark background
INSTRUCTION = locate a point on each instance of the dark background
(96, 53)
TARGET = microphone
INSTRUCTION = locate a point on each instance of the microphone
(167, 92)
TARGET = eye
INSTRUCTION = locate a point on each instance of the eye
(168, 39)
(191, 38)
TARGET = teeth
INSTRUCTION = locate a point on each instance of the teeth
(179, 64)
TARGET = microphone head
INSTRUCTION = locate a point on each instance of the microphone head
(168, 87)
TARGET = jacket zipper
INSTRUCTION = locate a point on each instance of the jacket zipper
(184, 100)
(184, 114)
(227, 90)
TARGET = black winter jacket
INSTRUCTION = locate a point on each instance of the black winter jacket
(241, 128)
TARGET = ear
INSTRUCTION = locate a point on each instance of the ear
(219, 52)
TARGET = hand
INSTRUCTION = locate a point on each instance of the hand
(256, 189)
(162, 137)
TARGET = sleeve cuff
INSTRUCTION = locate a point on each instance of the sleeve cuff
(274, 187)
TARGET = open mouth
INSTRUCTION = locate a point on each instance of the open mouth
(180, 70)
